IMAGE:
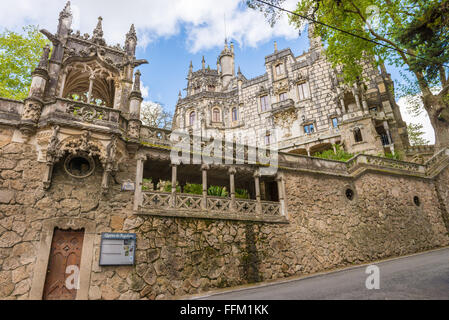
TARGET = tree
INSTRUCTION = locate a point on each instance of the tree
(416, 33)
(415, 134)
(154, 115)
(19, 55)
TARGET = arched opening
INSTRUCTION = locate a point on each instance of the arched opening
(192, 118)
(235, 115)
(89, 82)
(216, 115)
(358, 135)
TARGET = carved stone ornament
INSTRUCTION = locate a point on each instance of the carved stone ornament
(86, 113)
(31, 111)
(285, 120)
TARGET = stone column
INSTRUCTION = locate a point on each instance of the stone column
(61, 89)
(232, 171)
(174, 178)
(91, 87)
(308, 152)
(204, 169)
(139, 181)
(281, 191)
(257, 185)
(334, 147)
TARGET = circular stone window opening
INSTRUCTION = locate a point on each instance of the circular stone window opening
(79, 165)
(417, 201)
(350, 194)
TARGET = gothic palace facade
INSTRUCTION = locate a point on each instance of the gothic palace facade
(297, 106)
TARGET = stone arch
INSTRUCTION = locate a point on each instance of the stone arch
(90, 81)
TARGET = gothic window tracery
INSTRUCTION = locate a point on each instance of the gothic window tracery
(89, 83)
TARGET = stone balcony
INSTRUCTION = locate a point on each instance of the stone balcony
(282, 105)
(82, 115)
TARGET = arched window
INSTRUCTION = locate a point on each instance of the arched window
(358, 135)
(192, 118)
(235, 116)
(216, 115)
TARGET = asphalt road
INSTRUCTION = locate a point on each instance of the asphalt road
(424, 276)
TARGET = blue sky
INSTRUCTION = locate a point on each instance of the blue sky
(174, 32)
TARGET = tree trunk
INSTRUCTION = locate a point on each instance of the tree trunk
(438, 112)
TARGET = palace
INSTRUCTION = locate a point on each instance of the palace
(88, 193)
(298, 106)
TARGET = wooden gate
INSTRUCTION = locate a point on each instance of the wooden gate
(65, 251)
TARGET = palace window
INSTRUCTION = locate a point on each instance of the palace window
(358, 135)
(235, 115)
(280, 69)
(264, 105)
(335, 122)
(267, 139)
(303, 91)
(216, 115)
(192, 118)
(310, 128)
(283, 96)
(211, 88)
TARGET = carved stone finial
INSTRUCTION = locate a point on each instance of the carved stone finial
(275, 47)
(136, 87)
(180, 95)
(66, 12)
(203, 62)
(98, 31)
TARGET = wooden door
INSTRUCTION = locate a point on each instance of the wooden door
(65, 251)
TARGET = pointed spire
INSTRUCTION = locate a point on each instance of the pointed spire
(179, 95)
(65, 21)
(131, 41)
(239, 72)
(66, 12)
(191, 67)
(132, 32)
(136, 87)
(98, 31)
(203, 62)
(275, 47)
(232, 47)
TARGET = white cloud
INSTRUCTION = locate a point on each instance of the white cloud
(203, 20)
(422, 118)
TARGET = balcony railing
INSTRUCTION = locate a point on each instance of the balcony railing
(164, 201)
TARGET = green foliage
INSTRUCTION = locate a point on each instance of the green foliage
(216, 191)
(19, 55)
(192, 188)
(340, 155)
(393, 156)
(415, 135)
(241, 194)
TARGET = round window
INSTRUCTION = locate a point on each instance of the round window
(350, 194)
(79, 165)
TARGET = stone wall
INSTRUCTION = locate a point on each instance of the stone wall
(177, 257)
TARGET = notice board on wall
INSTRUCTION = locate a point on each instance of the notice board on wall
(118, 249)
